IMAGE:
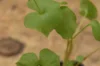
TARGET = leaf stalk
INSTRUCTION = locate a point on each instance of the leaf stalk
(39, 10)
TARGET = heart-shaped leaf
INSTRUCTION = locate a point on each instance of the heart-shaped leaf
(44, 23)
(68, 26)
(49, 58)
(88, 9)
(79, 59)
(96, 29)
(29, 59)
(47, 17)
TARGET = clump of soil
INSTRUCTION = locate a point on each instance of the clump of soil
(10, 47)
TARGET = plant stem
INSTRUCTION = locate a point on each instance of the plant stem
(70, 42)
(79, 26)
(91, 53)
(68, 51)
(71, 47)
(39, 10)
(81, 31)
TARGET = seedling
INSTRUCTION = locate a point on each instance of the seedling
(49, 15)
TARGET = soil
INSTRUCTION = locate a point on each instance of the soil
(12, 14)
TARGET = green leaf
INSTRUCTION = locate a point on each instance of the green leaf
(88, 9)
(79, 58)
(69, 63)
(47, 19)
(42, 5)
(68, 26)
(32, 4)
(44, 23)
(49, 58)
(96, 29)
(29, 59)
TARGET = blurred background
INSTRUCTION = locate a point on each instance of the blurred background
(16, 40)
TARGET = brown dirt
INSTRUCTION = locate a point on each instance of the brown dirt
(12, 14)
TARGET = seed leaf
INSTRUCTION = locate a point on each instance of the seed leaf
(88, 9)
(49, 58)
(96, 29)
(68, 26)
(79, 59)
(29, 59)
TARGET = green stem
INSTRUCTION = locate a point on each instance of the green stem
(68, 51)
(80, 31)
(39, 10)
(81, 23)
(71, 47)
(79, 26)
(91, 53)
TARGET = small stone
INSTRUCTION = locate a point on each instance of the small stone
(10, 47)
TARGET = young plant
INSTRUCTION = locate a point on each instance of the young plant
(49, 15)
